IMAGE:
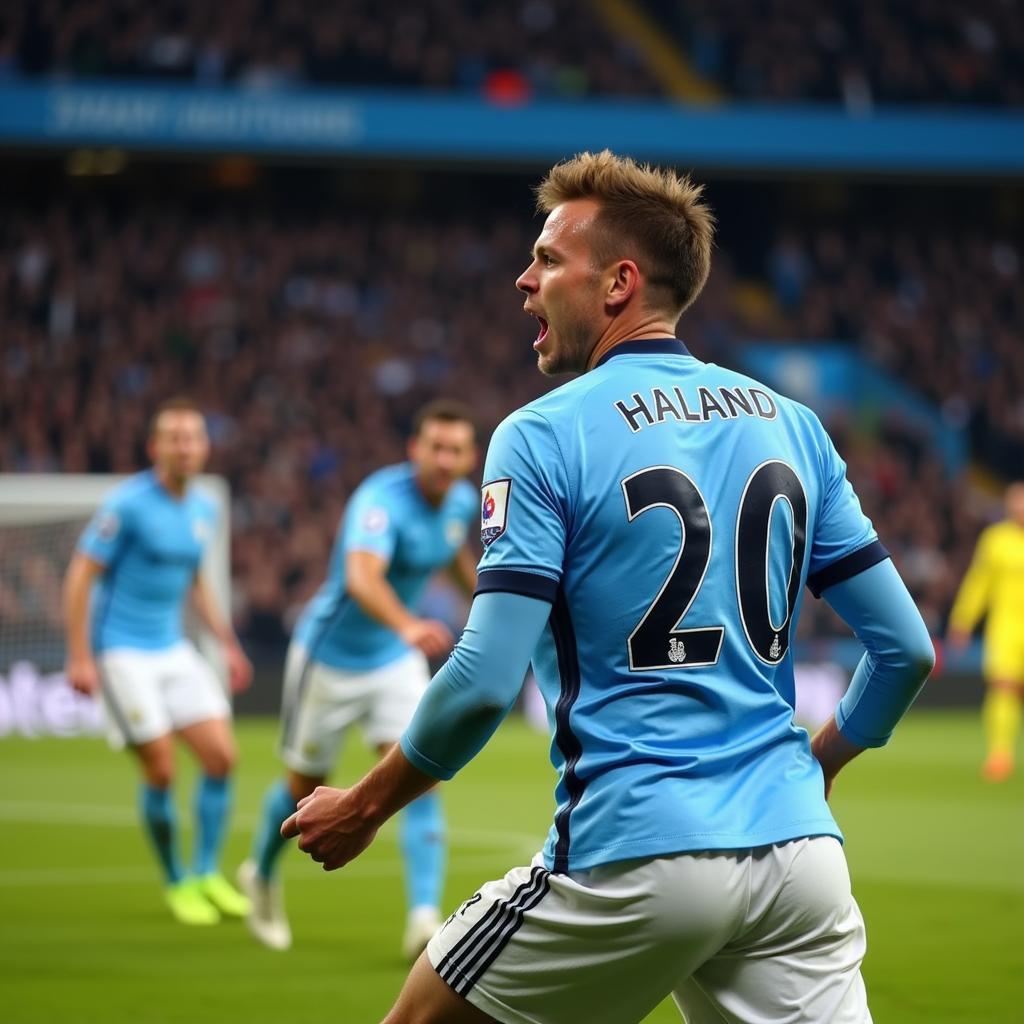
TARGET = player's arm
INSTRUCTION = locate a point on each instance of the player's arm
(80, 668)
(367, 583)
(473, 691)
(463, 570)
(465, 702)
(898, 656)
(972, 598)
(239, 666)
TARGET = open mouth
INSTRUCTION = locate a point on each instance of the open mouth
(543, 330)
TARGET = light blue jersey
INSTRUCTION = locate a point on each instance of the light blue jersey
(388, 516)
(151, 545)
(672, 511)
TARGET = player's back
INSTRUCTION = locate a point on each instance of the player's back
(686, 506)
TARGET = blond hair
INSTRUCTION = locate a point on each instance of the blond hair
(650, 215)
(179, 403)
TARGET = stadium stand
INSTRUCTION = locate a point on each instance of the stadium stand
(311, 340)
(311, 333)
(536, 48)
(856, 54)
(859, 54)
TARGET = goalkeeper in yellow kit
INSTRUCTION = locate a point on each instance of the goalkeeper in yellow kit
(995, 584)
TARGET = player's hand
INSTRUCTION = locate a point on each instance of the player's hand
(330, 827)
(83, 675)
(833, 751)
(239, 667)
(433, 638)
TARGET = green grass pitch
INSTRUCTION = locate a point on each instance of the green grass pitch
(937, 858)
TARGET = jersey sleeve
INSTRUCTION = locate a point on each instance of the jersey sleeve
(898, 653)
(105, 536)
(844, 542)
(371, 524)
(523, 510)
(477, 686)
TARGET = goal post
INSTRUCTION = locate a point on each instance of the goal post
(42, 515)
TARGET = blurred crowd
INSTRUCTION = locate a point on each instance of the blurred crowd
(510, 51)
(311, 341)
(858, 52)
(940, 307)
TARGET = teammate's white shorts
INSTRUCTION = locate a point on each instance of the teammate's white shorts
(321, 703)
(148, 694)
(764, 936)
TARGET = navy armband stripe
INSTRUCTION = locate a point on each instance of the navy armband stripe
(849, 565)
(517, 581)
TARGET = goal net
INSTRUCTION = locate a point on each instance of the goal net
(41, 519)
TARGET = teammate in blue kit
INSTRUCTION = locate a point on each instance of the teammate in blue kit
(650, 527)
(359, 654)
(136, 563)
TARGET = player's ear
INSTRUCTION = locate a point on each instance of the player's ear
(622, 281)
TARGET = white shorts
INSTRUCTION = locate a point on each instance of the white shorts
(321, 703)
(148, 694)
(765, 936)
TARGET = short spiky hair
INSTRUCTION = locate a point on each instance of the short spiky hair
(650, 215)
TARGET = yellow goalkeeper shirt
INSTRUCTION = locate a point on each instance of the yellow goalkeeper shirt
(994, 583)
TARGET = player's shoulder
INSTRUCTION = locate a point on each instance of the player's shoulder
(783, 405)
(550, 411)
(394, 482)
(133, 491)
(1001, 532)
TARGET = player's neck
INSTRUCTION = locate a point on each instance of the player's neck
(634, 329)
(175, 486)
(433, 500)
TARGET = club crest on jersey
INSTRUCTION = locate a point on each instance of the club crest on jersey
(375, 520)
(494, 510)
(107, 525)
(455, 532)
(676, 651)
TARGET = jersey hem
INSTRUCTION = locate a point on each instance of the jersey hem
(423, 763)
(363, 665)
(99, 647)
(695, 842)
(854, 735)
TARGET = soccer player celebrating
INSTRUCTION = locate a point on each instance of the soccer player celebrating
(123, 597)
(359, 654)
(649, 529)
(995, 583)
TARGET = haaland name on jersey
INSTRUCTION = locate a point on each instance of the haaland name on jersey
(698, 409)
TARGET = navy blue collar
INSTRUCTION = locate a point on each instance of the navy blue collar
(646, 347)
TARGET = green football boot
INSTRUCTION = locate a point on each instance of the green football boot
(189, 905)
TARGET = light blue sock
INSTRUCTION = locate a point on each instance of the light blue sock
(212, 804)
(157, 806)
(423, 850)
(268, 844)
